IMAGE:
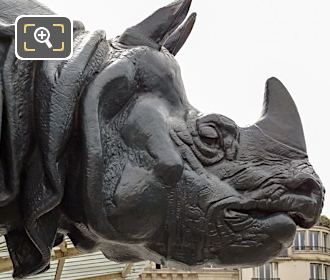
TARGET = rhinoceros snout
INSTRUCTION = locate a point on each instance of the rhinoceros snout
(309, 189)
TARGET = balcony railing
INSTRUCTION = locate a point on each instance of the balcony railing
(315, 249)
(317, 279)
(267, 279)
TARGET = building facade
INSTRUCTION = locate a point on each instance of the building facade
(153, 273)
(307, 259)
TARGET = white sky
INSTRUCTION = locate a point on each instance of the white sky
(235, 46)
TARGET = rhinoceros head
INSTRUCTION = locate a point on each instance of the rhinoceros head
(160, 181)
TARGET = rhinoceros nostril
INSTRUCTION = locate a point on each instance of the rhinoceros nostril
(306, 184)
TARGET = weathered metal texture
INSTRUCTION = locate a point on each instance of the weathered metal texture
(106, 148)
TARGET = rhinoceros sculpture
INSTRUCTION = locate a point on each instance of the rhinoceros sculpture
(106, 149)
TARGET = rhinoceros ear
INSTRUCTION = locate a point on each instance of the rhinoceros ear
(154, 30)
(175, 42)
(280, 119)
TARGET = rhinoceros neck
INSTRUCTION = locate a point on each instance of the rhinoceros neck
(40, 105)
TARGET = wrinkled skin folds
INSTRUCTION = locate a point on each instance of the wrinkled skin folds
(106, 149)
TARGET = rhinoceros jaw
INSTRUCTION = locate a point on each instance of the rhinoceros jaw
(299, 201)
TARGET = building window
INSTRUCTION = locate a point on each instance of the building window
(266, 271)
(316, 271)
(325, 242)
(326, 272)
(299, 242)
(314, 240)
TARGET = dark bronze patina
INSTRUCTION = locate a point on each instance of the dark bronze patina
(105, 148)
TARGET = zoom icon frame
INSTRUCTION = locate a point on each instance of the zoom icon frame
(43, 37)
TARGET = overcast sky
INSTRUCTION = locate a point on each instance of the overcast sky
(235, 46)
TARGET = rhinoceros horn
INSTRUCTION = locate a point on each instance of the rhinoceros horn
(280, 119)
(154, 30)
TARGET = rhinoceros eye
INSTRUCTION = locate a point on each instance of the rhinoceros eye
(209, 135)
(208, 132)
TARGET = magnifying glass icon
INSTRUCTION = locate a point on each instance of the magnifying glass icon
(41, 35)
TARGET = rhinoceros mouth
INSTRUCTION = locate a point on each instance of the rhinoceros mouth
(301, 201)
